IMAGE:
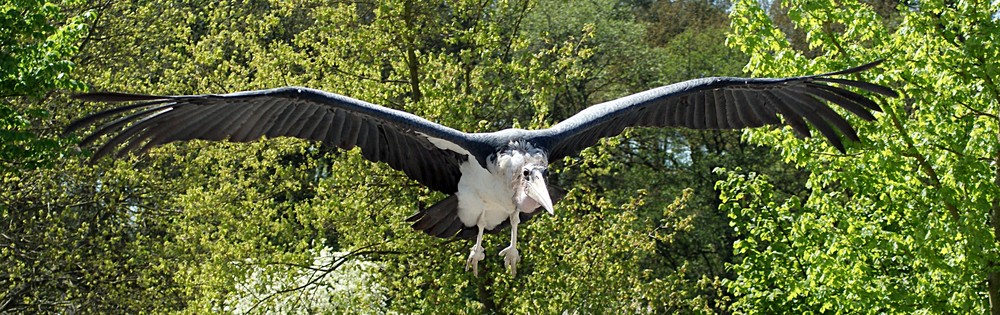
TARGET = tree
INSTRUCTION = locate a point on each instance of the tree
(214, 214)
(905, 222)
(35, 61)
(47, 252)
(217, 227)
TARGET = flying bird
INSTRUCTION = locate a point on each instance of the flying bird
(495, 179)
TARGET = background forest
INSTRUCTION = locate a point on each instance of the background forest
(657, 221)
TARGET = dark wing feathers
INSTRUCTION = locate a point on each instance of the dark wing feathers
(115, 97)
(853, 102)
(809, 109)
(792, 118)
(723, 103)
(383, 134)
(859, 84)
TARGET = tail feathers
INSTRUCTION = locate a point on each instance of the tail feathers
(441, 219)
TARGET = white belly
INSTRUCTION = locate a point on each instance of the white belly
(484, 198)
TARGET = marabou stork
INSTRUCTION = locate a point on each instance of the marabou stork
(493, 179)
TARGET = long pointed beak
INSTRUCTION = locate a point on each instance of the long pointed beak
(537, 191)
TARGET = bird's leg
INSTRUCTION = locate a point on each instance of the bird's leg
(510, 255)
(477, 254)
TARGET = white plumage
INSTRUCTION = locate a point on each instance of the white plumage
(487, 197)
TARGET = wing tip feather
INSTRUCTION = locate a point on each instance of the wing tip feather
(117, 97)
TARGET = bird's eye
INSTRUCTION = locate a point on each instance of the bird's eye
(527, 172)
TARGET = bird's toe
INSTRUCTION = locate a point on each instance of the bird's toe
(477, 254)
(510, 258)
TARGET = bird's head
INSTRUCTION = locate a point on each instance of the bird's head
(530, 190)
(527, 167)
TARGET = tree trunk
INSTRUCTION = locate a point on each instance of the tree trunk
(994, 288)
(411, 54)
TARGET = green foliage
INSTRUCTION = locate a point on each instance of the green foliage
(334, 283)
(36, 48)
(34, 59)
(75, 241)
(235, 211)
(55, 257)
(219, 227)
(906, 222)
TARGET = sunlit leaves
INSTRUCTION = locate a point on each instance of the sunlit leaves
(900, 224)
(239, 207)
(37, 40)
(193, 227)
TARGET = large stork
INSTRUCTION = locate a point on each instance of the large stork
(493, 179)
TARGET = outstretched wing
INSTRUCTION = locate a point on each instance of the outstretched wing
(722, 103)
(385, 135)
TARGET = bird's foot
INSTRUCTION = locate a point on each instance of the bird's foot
(510, 258)
(476, 255)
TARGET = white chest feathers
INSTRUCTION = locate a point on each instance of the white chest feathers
(487, 197)
(484, 198)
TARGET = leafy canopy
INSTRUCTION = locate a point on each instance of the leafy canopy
(906, 222)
